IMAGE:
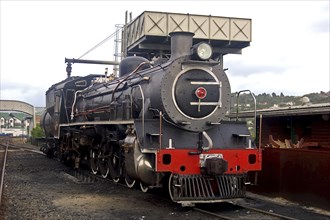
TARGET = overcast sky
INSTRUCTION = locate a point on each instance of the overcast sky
(289, 51)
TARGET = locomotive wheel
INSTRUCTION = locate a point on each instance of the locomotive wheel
(104, 167)
(116, 180)
(171, 186)
(174, 187)
(114, 166)
(144, 187)
(93, 162)
(129, 182)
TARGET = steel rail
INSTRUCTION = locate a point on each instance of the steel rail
(25, 149)
(248, 208)
(213, 214)
(266, 212)
(3, 169)
(80, 172)
(7, 145)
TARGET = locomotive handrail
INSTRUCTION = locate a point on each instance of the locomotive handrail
(142, 94)
(255, 109)
(160, 129)
(126, 78)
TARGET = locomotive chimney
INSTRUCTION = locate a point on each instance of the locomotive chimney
(181, 43)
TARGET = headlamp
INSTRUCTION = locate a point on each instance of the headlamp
(204, 51)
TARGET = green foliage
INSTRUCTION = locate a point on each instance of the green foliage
(37, 132)
(265, 100)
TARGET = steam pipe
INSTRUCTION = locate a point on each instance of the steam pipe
(209, 140)
(72, 61)
(67, 60)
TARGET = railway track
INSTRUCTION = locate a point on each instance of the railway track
(253, 207)
(236, 211)
(5, 146)
(84, 176)
(248, 208)
(3, 159)
(21, 148)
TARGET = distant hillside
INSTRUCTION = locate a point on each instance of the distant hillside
(274, 100)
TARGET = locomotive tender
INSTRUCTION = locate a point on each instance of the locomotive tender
(161, 123)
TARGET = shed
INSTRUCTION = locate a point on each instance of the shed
(296, 153)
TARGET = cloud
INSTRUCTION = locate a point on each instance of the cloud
(321, 23)
(289, 51)
(15, 90)
(290, 82)
(244, 69)
(321, 26)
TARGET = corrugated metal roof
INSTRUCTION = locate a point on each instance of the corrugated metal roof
(18, 115)
(4, 115)
(313, 109)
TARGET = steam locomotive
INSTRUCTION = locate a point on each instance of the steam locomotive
(161, 123)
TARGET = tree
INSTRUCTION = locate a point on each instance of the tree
(37, 132)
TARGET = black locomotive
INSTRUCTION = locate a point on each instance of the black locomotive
(160, 123)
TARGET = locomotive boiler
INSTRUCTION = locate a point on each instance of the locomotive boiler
(161, 123)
